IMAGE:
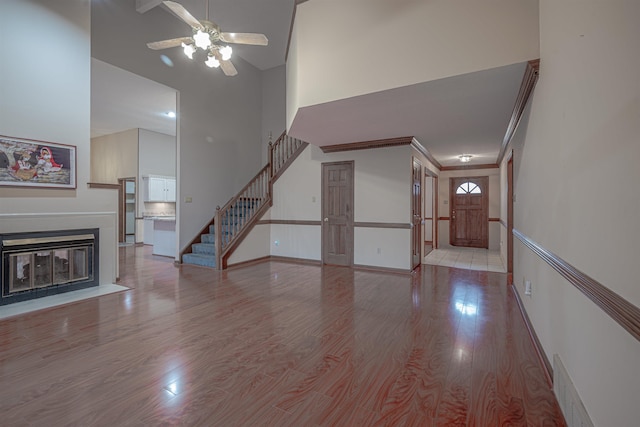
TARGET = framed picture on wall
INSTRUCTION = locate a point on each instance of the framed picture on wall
(30, 163)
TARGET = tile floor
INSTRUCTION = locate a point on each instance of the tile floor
(466, 258)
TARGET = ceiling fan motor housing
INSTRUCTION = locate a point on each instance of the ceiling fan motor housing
(212, 29)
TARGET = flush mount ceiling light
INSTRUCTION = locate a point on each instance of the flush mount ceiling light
(465, 158)
(208, 37)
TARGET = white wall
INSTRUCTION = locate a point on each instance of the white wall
(575, 176)
(114, 156)
(444, 207)
(254, 246)
(274, 105)
(51, 103)
(219, 117)
(340, 49)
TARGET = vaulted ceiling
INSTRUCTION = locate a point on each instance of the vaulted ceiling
(466, 114)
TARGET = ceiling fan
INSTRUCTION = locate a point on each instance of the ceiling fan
(208, 37)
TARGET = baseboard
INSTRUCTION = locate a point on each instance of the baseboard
(315, 262)
(544, 361)
(303, 261)
(249, 262)
(373, 268)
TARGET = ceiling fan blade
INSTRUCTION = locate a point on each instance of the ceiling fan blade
(165, 44)
(183, 14)
(228, 68)
(245, 38)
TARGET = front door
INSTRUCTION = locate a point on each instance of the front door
(469, 212)
(337, 213)
(416, 211)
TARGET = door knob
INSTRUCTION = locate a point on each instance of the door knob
(326, 220)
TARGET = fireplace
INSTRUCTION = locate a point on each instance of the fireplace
(38, 264)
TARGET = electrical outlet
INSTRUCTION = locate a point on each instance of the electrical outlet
(527, 288)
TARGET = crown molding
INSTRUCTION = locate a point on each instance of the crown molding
(526, 89)
(366, 145)
(423, 150)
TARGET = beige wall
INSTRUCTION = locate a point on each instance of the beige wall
(575, 176)
(156, 153)
(444, 207)
(382, 185)
(340, 49)
(114, 156)
(51, 103)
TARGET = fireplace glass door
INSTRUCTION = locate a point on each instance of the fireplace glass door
(39, 269)
(20, 272)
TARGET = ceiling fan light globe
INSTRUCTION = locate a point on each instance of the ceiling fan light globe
(226, 53)
(202, 39)
(212, 62)
(188, 50)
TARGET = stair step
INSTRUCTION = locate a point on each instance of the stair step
(211, 238)
(212, 234)
(199, 259)
(204, 248)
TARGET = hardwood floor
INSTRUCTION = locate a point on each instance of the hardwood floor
(277, 344)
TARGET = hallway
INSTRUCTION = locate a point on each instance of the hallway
(277, 344)
(466, 258)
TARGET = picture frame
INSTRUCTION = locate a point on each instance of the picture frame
(38, 164)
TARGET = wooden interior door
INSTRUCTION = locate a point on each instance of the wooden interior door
(469, 212)
(337, 213)
(416, 214)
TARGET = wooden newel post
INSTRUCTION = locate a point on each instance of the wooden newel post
(218, 237)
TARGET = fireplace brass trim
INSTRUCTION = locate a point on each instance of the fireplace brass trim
(53, 239)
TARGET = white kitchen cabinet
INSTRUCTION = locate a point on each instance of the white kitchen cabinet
(159, 188)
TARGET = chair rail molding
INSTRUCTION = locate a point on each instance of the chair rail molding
(619, 309)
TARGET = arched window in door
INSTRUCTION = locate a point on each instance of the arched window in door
(468, 188)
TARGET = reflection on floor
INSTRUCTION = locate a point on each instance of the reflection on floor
(467, 258)
(56, 300)
(279, 344)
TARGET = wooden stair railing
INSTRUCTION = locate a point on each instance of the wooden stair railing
(236, 218)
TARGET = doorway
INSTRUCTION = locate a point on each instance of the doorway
(430, 211)
(416, 214)
(127, 210)
(510, 196)
(337, 213)
(469, 211)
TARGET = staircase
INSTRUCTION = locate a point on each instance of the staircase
(231, 223)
